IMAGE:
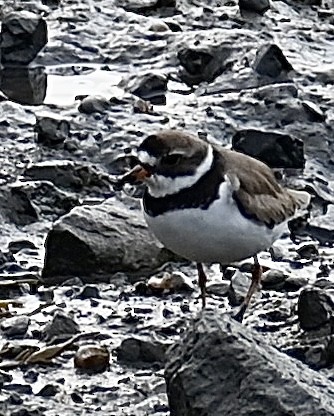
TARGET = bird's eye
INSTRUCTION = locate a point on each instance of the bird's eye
(171, 160)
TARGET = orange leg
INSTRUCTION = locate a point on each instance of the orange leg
(202, 282)
(256, 279)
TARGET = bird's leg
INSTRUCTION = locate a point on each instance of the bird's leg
(256, 279)
(202, 282)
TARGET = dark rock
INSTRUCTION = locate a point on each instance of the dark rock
(270, 61)
(255, 6)
(49, 390)
(294, 283)
(60, 325)
(18, 245)
(16, 326)
(74, 282)
(322, 227)
(92, 358)
(149, 7)
(71, 175)
(152, 88)
(218, 289)
(317, 352)
(89, 292)
(273, 279)
(94, 241)
(15, 399)
(24, 411)
(94, 104)
(202, 64)
(137, 351)
(5, 378)
(42, 197)
(314, 112)
(18, 388)
(45, 295)
(76, 397)
(17, 207)
(220, 367)
(315, 308)
(23, 35)
(308, 251)
(31, 376)
(51, 131)
(6, 257)
(277, 150)
(24, 85)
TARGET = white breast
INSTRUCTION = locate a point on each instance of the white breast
(217, 234)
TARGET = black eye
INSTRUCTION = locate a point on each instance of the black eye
(171, 160)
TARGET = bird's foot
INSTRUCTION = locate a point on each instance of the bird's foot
(239, 316)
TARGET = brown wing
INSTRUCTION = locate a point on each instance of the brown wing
(259, 195)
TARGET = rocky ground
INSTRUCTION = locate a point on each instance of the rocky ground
(84, 327)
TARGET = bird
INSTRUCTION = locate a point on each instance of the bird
(210, 204)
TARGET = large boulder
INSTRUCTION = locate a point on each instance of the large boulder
(278, 150)
(220, 367)
(23, 35)
(96, 241)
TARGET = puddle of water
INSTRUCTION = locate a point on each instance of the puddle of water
(62, 90)
(56, 85)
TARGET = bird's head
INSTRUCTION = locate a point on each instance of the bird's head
(169, 161)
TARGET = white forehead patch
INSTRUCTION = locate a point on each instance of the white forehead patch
(146, 159)
(160, 186)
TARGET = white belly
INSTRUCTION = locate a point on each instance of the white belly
(218, 234)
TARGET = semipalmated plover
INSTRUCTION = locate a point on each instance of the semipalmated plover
(209, 204)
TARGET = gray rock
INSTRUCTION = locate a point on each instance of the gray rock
(218, 289)
(61, 325)
(137, 351)
(23, 35)
(255, 6)
(277, 150)
(24, 85)
(317, 352)
(49, 390)
(294, 283)
(74, 176)
(202, 64)
(93, 242)
(16, 205)
(315, 308)
(220, 367)
(273, 279)
(94, 104)
(52, 131)
(238, 289)
(152, 88)
(16, 326)
(313, 111)
(43, 197)
(270, 61)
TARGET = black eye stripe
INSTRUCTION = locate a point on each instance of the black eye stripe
(171, 159)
